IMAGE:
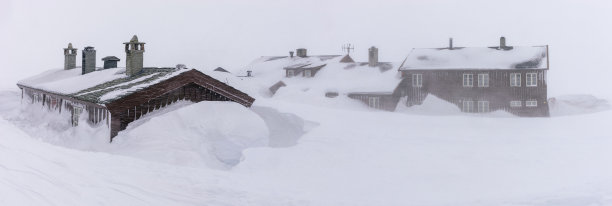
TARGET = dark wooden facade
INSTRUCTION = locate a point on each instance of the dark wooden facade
(190, 85)
(448, 85)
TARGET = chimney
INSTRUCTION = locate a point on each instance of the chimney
(372, 56)
(110, 62)
(450, 43)
(291, 54)
(89, 60)
(70, 57)
(502, 42)
(301, 52)
(134, 50)
(249, 73)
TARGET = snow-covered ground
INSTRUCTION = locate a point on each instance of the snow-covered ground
(292, 152)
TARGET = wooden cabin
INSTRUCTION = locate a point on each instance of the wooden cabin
(119, 96)
(480, 79)
(110, 97)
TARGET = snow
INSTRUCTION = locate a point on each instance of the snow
(207, 134)
(335, 76)
(305, 149)
(71, 81)
(577, 104)
(476, 58)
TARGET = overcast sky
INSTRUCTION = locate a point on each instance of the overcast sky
(230, 34)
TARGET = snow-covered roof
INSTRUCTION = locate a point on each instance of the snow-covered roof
(529, 57)
(335, 76)
(101, 86)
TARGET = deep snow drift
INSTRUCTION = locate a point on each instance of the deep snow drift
(208, 134)
(331, 156)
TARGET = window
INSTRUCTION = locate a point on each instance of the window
(531, 103)
(417, 80)
(374, 102)
(76, 112)
(468, 106)
(516, 104)
(468, 80)
(483, 106)
(307, 73)
(483, 80)
(532, 79)
(515, 79)
(290, 73)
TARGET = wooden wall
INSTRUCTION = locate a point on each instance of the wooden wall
(448, 85)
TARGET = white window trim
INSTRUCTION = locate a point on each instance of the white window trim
(467, 106)
(533, 80)
(307, 73)
(481, 80)
(531, 103)
(469, 81)
(517, 78)
(516, 104)
(290, 73)
(482, 108)
(417, 80)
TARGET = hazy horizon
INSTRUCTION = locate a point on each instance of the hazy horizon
(230, 34)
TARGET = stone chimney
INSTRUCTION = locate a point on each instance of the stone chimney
(450, 43)
(502, 42)
(134, 51)
(89, 60)
(301, 52)
(110, 62)
(70, 57)
(372, 56)
(291, 54)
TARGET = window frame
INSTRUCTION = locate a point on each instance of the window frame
(481, 81)
(483, 103)
(533, 79)
(469, 80)
(290, 73)
(469, 104)
(517, 79)
(307, 73)
(419, 80)
(531, 103)
(374, 102)
(520, 104)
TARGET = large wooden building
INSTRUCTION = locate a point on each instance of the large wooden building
(479, 80)
(116, 97)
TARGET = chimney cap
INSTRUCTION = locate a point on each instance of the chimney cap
(110, 58)
(134, 40)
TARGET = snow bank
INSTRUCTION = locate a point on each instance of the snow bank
(435, 106)
(432, 105)
(206, 134)
(576, 104)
